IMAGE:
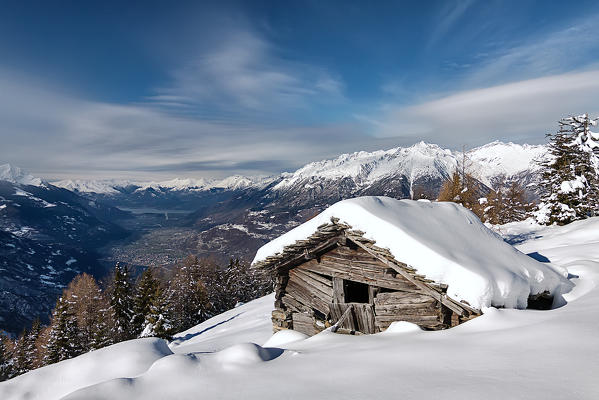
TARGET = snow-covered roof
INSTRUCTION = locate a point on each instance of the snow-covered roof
(444, 242)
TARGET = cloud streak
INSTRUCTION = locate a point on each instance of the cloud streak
(57, 135)
(550, 53)
(244, 75)
(523, 111)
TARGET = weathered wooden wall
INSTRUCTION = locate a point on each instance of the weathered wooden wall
(310, 296)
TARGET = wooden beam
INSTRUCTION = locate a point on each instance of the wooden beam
(456, 307)
(308, 255)
(338, 291)
(341, 320)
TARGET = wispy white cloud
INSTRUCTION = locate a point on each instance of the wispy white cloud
(524, 110)
(449, 15)
(565, 49)
(55, 134)
(245, 73)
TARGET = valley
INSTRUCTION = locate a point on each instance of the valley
(100, 223)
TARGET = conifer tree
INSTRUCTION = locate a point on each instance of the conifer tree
(20, 355)
(157, 322)
(219, 294)
(186, 297)
(31, 350)
(121, 304)
(570, 175)
(63, 336)
(5, 360)
(245, 283)
(146, 301)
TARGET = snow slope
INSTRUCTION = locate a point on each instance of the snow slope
(504, 354)
(55, 381)
(444, 242)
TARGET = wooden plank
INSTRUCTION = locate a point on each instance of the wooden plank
(310, 299)
(325, 280)
(290, 302)
(312, 291)
(402, 298)
(372, 292)
(304, 279)
(429, 322)
(338, 291)
(301, 257)
(358, 275)
(454, 306)
(304, 323)
(344, 317)
(364, 316)
(409, 318)
(338, 310)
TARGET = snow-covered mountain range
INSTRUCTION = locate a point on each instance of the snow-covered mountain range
(116, 186)
(418, 162)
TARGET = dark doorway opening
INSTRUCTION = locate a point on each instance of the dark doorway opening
(542, 301)
(355, 292)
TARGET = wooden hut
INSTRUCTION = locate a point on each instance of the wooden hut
(332, 275)
(338, 277)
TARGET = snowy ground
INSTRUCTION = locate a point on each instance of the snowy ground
(504, 354)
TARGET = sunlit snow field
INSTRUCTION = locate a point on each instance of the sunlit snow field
(504, 354)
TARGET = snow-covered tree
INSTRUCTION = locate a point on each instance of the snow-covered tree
(32, 355)
(245, 283)
(570, 185)
(157, 322)
(121, 304)
(19, 354)
(186, 298)
(63, 336)
(147, 305)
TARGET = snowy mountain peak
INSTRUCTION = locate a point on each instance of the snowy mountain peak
(508, 159)
(16, 175)
(90, 186)
(421, 159)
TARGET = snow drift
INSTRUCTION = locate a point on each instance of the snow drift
(530, 354)
(125, 359)
(446, 243)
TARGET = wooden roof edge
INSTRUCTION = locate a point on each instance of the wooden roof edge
(324, 233)
(334, 232)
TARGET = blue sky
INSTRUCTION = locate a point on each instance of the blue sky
(164, 89)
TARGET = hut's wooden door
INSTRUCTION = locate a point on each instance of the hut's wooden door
(361, 317)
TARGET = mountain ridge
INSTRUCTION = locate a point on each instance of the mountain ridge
(362, 167)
